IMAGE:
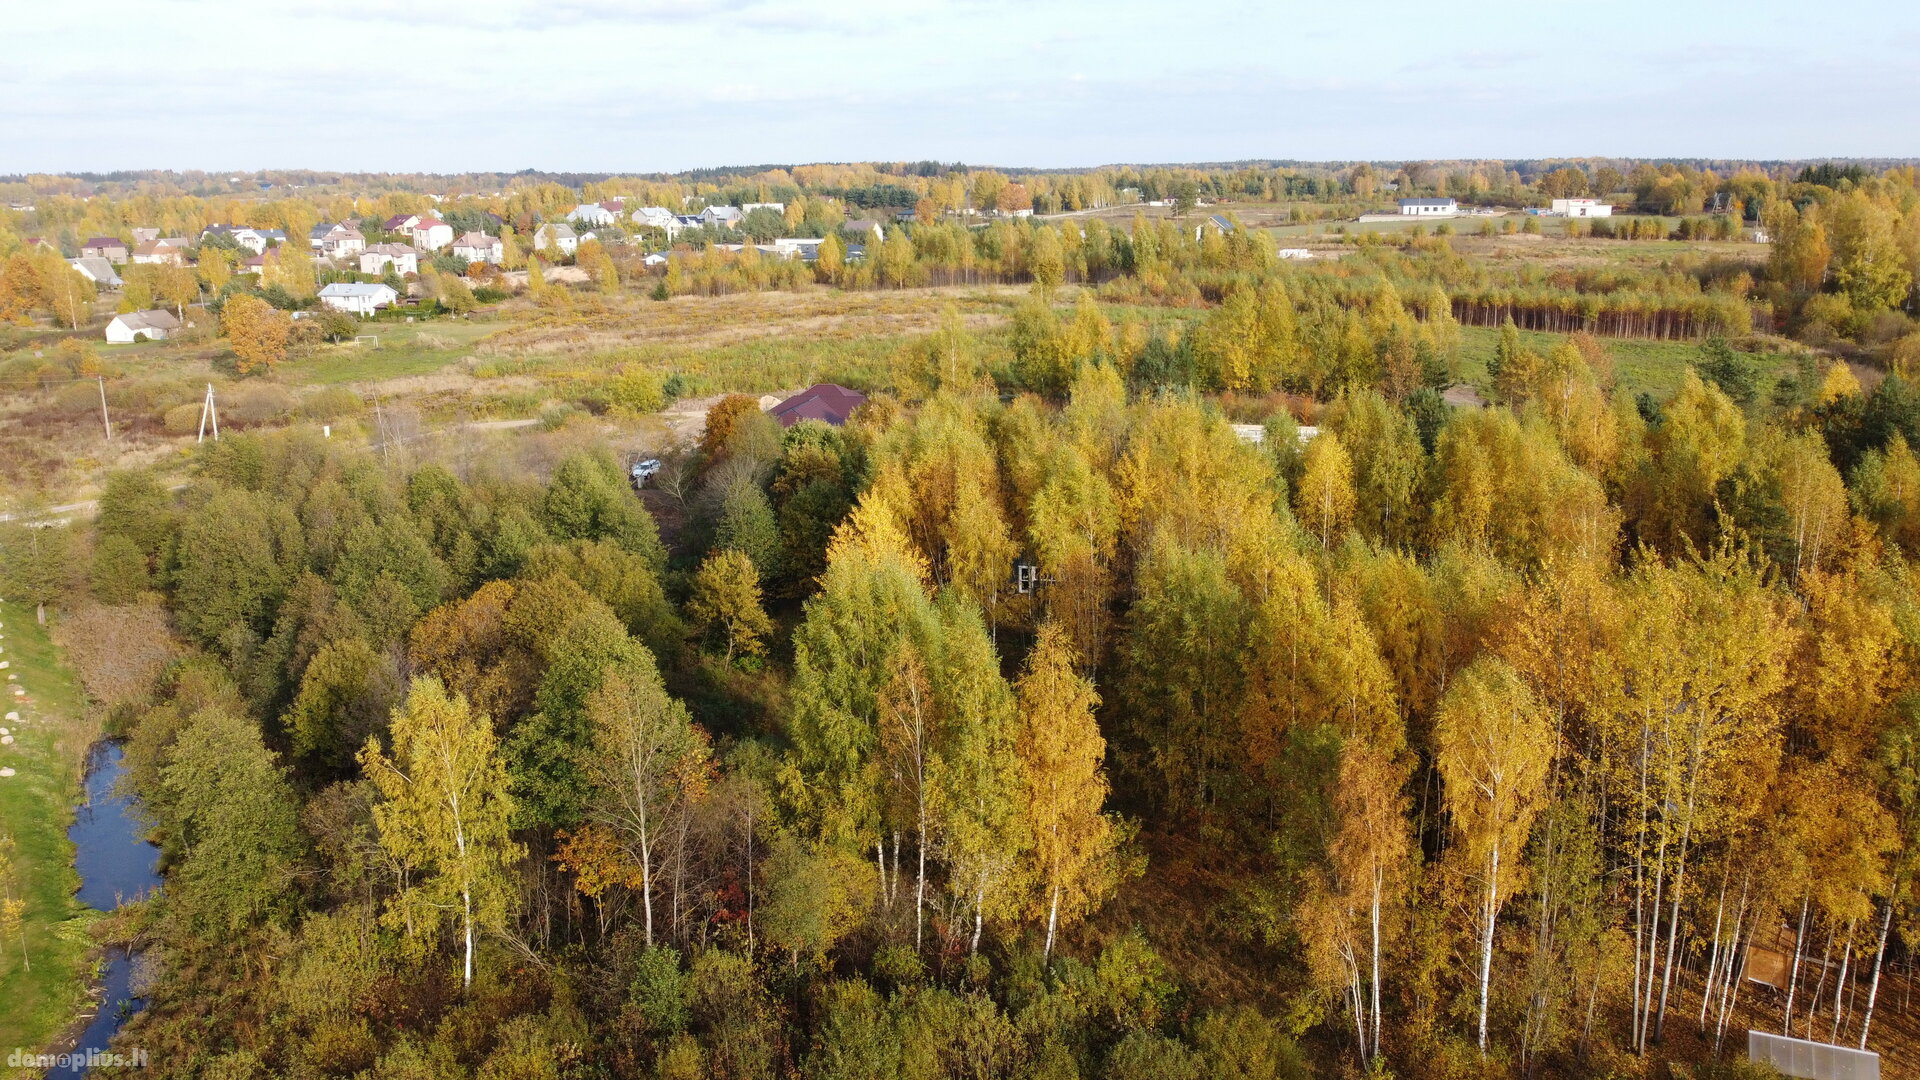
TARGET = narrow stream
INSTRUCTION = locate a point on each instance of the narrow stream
(116, 866)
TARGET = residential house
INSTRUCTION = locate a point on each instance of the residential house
(1428, 207)
(829, 403)
(168, 251)
(1216, 223)
(142, 234)
(254, 240)
(40, 242)
(653, 259)
(866, 228)
(776, 207)
(431, 234)
(255, 265)
(97, 270)
(400, 223)
(131, 327)
(479, 248)
(556, 235)
(402, 259)
(725, 217)
(337, 241)
(592, 214)
(358, 298)
(657, 217)
(106, 247)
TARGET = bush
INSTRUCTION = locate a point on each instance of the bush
(181, 419)
(331, 403)
(635, 392)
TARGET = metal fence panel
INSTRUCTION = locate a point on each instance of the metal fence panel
(1815, 1061)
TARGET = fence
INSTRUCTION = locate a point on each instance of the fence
(1817, 1061)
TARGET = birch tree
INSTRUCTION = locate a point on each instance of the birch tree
(1061, 750)
(1494, 742)
(647, 763)
(443, 815)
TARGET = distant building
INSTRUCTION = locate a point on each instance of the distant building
(337, 241)
(866, 227)
(776, 207)
(142, 234)
(592, 214)
(1294, 253)
(805, 247)
(97, 270)
(254, 240)
(722, 216)
(431, 234)
(153, 325)
(1582, 208)
(166, 251)
(1216, 223)
(400, 223)
(825, 402)
(358, 299)
(657, 217)
(109, 248)
(479, 248)
(558, 236)
(1428, 207)
(401, 258)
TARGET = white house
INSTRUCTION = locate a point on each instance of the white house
(776, 207)
(358, 299)
(556, 235)
(1582, 208)
(479, 247)
(723, 216)
(1428, 207)
(592, 214)
(403, 259)
(336, 241)
(153, 325)
(97, 270)
(431, 234)
(254, 240)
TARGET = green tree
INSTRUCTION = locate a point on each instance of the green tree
(234, 825)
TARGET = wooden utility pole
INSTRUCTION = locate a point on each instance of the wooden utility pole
(104, 422)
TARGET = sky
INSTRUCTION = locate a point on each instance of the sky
(663, 85)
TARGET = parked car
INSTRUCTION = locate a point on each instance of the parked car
(643, 471)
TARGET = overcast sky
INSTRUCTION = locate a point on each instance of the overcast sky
(659, 85)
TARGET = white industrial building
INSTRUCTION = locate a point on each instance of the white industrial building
(1428, 207)
(1582, 208)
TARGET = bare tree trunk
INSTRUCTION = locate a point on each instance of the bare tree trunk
(1053, 919)
(1793, 980)
(1713, 960)
(1486, 945)
(1840, 985)
(1879, 958)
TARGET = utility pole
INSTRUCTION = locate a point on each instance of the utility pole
(104, 422)
(208, 412)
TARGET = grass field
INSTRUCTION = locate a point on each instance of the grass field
(47, 756)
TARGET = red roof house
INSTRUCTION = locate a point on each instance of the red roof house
(826, 402)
